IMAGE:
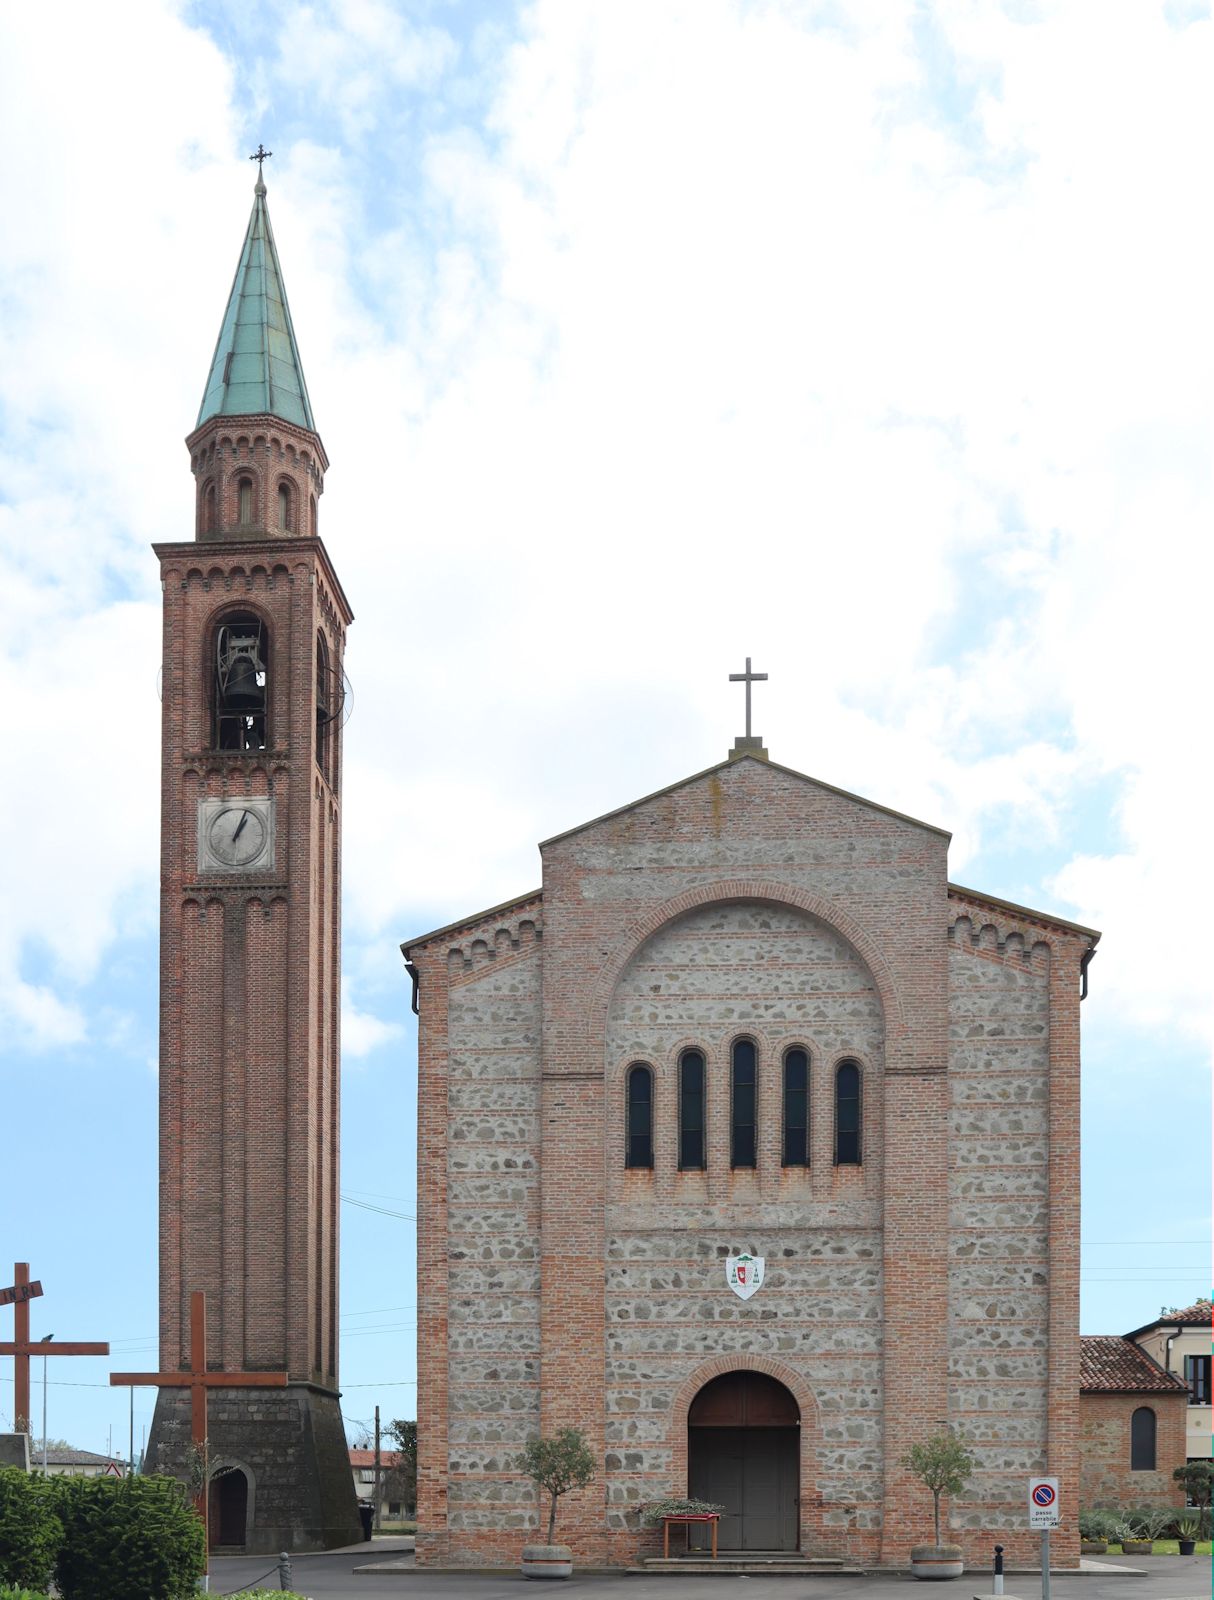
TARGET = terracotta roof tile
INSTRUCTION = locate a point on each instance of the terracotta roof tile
(1113, 1364)
(1194, 1316)
(366, 1458)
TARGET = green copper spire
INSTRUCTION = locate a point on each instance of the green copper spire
(256, 369)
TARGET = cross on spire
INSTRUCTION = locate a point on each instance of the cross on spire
(259, 155)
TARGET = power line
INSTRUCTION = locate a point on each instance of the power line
(383, 1211)
(405, 1199)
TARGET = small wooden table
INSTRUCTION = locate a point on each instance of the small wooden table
(688, 1517)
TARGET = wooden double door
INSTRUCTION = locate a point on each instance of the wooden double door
(744, 1453)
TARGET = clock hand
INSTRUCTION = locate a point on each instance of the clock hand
(240, 826)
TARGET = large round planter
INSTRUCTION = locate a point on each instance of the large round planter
(1136, 1547)
(1186, 1546)
(937, 1561)
(547, 1561)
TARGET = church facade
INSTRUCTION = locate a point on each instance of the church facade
(748, 1017)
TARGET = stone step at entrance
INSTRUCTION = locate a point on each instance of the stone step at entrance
(749, 1564)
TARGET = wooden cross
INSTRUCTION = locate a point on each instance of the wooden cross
(198, 1380)
(748, 677)
(19, 1294)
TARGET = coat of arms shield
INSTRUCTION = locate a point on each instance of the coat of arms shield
(744, 1274)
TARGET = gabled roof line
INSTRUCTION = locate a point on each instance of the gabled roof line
(1194, 1316)
(1047, 919)
(722, 766)
(410, 945)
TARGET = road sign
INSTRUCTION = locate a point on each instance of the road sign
(1043, 1503)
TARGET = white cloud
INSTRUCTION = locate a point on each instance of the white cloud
(361, 1032)
(727, 328)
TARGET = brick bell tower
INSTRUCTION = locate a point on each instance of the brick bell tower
(254, 631)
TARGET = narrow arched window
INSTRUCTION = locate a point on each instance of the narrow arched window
(241, 684)
(244, 501)
(208, 509)
(324, 702)
(796, 1108)
(639, 1131)
(1142, 1440)
(742, 1104)
(313, 507)
(691, 1109)
(284, 508)
(847, 1114)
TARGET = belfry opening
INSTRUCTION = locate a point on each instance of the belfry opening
(744, 1453)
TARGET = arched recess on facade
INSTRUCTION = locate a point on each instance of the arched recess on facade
(232, 1494)
(807, 1404)
(627, 946)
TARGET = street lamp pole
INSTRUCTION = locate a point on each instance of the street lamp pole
(46, 1339)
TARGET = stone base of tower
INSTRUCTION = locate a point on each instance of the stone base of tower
(280, 1467)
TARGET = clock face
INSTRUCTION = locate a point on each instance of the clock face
(234, 835)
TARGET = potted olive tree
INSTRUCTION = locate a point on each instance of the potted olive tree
(943, 1465)
(555, 1466)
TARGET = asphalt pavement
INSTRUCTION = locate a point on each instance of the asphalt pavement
(332, 1577)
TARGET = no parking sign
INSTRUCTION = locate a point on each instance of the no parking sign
(1043, 1502)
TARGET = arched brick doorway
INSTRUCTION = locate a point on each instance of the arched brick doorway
(228, 1511)
(743, 1451)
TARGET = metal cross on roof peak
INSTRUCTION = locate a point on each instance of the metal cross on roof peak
(748, 677)
(259, 155)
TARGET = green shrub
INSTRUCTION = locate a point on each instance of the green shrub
(128, 1539)
(1151, 1522)
(1098, 1523)
(29, 1530)
(23, 1594)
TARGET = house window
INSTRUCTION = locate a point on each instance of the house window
(847, 1114)
(796, 1108)
(1142, 1440)
(639, 1151)
(366, 1474)
(1197, 1376)
(244, 501)
(394, 1508)
(742, 1103)
(691, 1110)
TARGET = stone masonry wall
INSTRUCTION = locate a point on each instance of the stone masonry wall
(493, 1238)
(773, 974)
(999, 1190)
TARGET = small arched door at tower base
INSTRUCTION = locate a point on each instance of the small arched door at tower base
(228, 1510)
(744, 1453)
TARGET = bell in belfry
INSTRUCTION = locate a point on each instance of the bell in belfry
(242, 673)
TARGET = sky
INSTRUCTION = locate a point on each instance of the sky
(869, 339)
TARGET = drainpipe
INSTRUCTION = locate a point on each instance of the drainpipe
(1085, 962)
(416, 976)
